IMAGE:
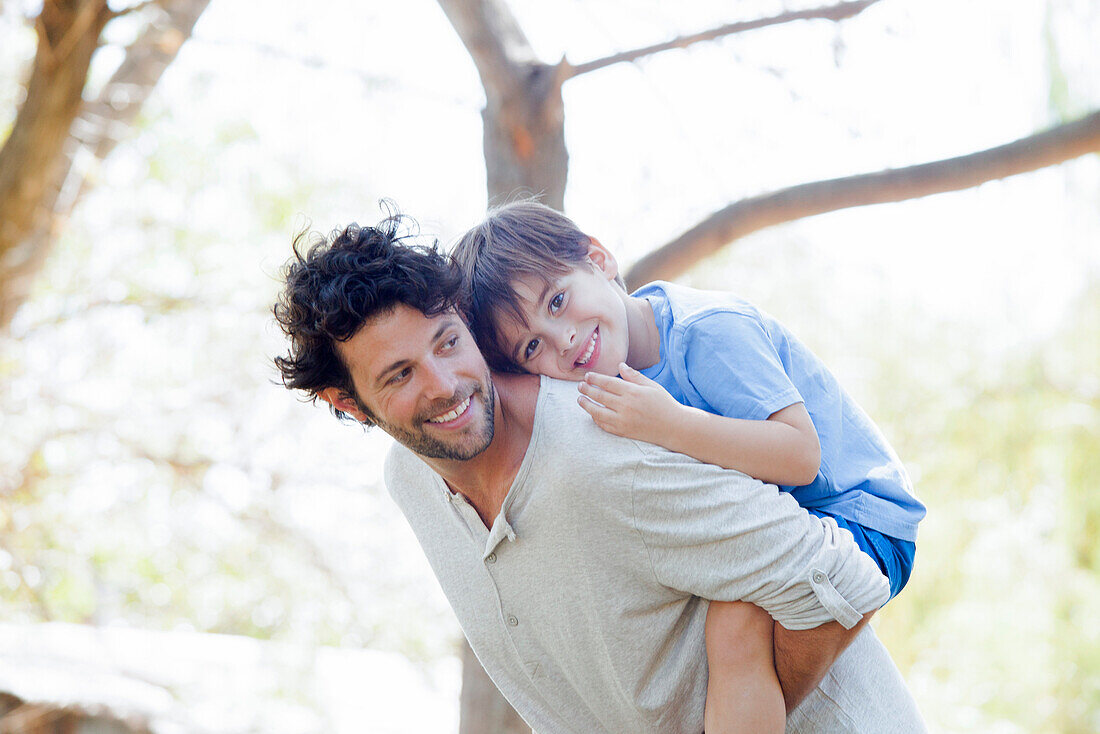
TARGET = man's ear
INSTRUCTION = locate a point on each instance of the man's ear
(602, 258)
(340, 400)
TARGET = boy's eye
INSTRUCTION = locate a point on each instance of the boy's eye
(450, 343)
(531, 348)
(556, 301)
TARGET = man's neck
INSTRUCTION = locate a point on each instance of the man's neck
(485, 479)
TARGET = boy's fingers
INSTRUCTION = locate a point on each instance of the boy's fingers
(612, 385)
(599, 413)
(632, 375)
(599, 395)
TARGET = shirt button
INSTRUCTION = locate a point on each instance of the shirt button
(491, 558)
(819, 578)
(512, 620)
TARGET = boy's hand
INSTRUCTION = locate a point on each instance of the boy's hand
(634, 407)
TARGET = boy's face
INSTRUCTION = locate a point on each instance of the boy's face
(575, 324)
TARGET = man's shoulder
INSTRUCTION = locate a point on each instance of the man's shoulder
(567, 442)
(404, 471)
(561, 421)
(568, 432)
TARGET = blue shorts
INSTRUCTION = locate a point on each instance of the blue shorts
(893, 555)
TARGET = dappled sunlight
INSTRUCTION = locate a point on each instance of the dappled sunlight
(166, 504)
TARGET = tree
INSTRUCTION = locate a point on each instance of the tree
(525, 149)
(45, 161)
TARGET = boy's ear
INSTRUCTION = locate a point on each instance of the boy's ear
(602, 258)
(340, 400)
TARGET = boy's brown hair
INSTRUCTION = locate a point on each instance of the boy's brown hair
(520, 239)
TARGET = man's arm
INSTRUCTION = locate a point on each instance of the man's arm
(803, 656)
(723, 536)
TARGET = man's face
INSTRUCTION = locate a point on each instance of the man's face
(422, 380)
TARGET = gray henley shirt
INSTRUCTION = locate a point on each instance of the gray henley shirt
(586, 600)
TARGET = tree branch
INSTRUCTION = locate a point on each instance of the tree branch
(741, 218)
(105, 120)
(136, 8)
(494, 40)
(833, 12)
(90, 17)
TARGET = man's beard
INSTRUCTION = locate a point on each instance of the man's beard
(468, 445)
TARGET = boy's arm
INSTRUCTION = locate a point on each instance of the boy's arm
(782, 450)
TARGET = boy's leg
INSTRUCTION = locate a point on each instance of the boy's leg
(743, 693)
(893, 555)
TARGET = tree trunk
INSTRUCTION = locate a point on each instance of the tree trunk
(524, 137)
(68, 35)
(524, 140)
(42, 188)
(484, 710)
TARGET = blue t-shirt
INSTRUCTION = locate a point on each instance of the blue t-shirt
(722, 355)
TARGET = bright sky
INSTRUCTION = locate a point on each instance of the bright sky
(382, 98)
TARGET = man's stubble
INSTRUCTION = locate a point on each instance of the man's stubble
(424, 444)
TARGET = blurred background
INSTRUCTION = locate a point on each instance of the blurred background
(185, 546)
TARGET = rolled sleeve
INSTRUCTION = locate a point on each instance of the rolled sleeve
(721, 535)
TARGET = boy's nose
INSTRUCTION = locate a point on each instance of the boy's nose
(568, 338)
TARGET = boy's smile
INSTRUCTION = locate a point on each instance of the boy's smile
(591, 351)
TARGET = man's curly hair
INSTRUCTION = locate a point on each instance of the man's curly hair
(338, 284)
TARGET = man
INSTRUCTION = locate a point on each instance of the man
(578, 563)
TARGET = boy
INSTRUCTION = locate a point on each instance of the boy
(705, 374)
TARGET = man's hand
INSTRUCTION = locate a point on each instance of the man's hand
(633, 407)
(802, 657)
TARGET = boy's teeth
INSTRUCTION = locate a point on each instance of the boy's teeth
(459, 410)
(588, 352)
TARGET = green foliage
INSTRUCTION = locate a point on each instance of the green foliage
(144, 440)
(996, 630)
(998, 611)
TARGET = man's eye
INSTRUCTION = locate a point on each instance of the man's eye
(399, 376)
(531, 348)
(556, 301)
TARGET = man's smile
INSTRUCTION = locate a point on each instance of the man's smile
(452, 414)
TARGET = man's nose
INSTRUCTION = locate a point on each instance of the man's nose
(439, 380)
